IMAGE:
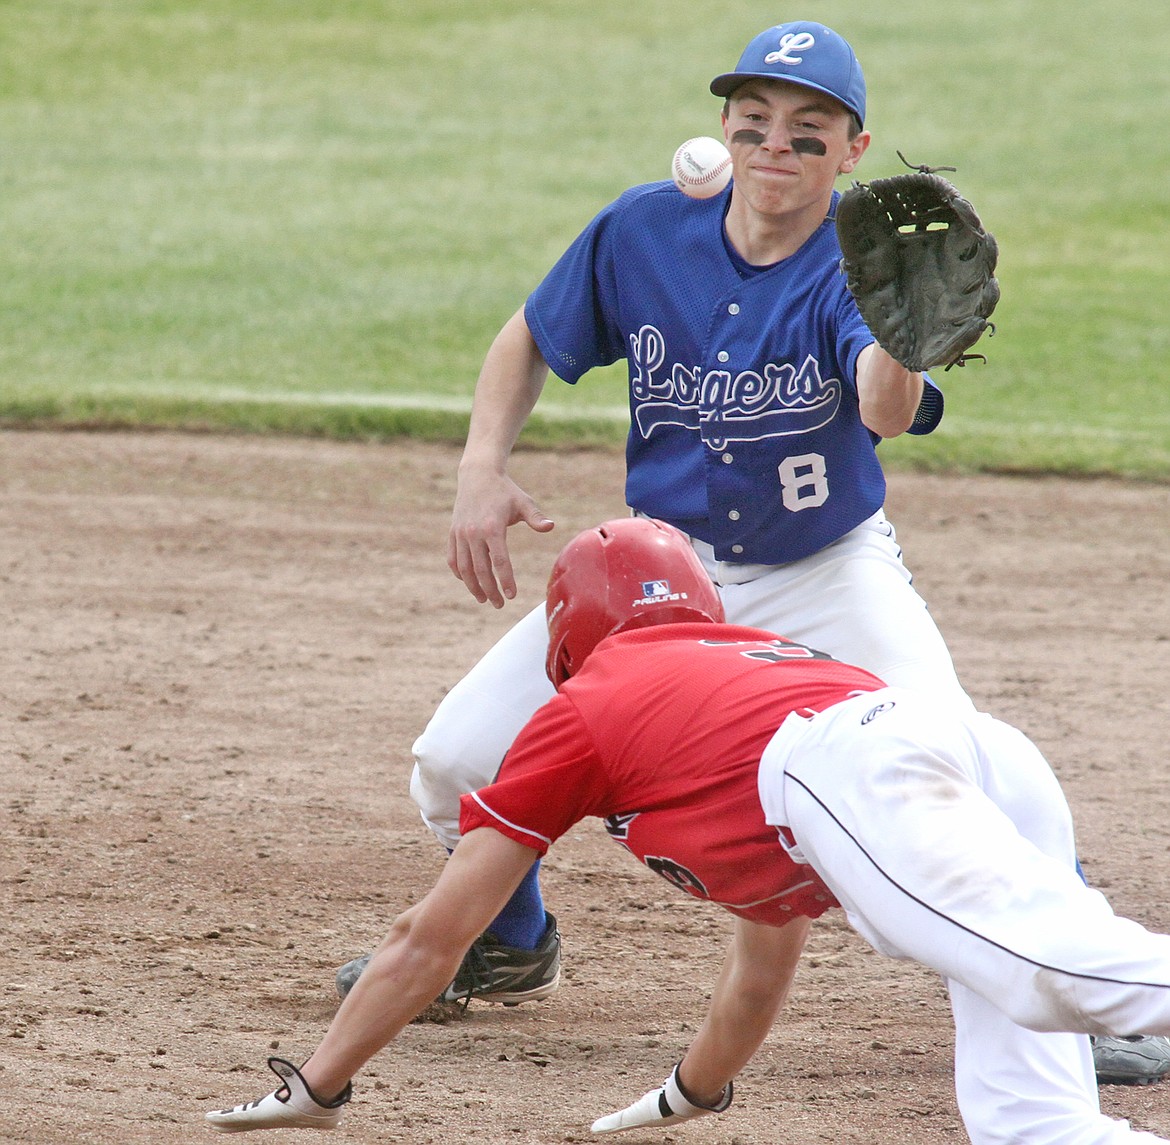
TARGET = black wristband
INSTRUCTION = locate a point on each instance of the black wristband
(721, 1103)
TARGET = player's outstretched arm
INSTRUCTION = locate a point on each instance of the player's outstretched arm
(887, 393)
(411, 967)
(752, 986)
(488, 502)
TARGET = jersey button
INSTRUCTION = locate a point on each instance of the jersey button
(727, 459)
(733, 515)
(733, 308)
(737, 549)
(723, 355)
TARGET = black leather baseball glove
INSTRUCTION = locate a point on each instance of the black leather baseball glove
(920, 265)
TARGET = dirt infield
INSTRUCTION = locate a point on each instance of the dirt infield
(216, 654)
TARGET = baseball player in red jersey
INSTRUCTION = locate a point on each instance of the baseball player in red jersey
(771, 779)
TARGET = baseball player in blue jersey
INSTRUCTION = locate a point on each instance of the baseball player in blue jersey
(758, 397)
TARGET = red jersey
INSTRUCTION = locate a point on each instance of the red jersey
(661, 734)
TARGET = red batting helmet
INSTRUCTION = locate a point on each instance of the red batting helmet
(623, 574)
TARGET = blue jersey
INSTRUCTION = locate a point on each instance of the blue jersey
(744, 430)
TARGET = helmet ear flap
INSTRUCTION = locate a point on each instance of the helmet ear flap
(560, 666)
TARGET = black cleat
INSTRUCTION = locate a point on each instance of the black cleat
(491, 971)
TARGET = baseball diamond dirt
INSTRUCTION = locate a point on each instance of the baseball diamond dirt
(216, 654)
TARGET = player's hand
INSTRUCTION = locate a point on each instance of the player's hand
(486, 506)
(665, 1105)
(293, 1106)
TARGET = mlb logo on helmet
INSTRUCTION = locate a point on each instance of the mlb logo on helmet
(804, 53)
(657, 592)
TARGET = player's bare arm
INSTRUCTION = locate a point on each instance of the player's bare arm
(887, 393)
(752, 986)
(488, 502)
(419, 955)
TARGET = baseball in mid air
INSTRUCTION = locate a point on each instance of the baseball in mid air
(701, 167)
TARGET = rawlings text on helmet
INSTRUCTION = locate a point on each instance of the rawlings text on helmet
(657, 592)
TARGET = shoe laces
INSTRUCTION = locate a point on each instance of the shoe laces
(475, 972)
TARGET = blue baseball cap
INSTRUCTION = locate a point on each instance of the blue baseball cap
(805, 53)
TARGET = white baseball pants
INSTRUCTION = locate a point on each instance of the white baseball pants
(853, 600)
(945, 836)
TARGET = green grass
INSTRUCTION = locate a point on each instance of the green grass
(311, 216)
